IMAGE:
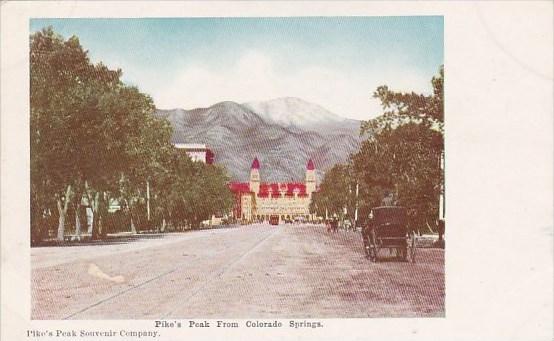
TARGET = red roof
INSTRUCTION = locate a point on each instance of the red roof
(272, 190)
(288, 188)
(210, 157)
(310, 165)
(243, 187)
(255, 164)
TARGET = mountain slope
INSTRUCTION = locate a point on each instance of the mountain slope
(294, 112)
(237, 134)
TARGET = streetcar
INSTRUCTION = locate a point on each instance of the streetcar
(274, 220)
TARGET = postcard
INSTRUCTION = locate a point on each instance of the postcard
(194, 170)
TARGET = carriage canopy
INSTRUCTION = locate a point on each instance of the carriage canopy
(390, 215)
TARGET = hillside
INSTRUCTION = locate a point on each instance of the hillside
(277, 132)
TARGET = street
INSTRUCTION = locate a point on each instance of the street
(254, 271)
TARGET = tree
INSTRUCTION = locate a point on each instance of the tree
(93, 139)
(404, 161)
(403, 107)
(209, 193)
(131, 144)
(61, 97)
(403, 152)
(336, 192)
(88, 130)
(192, 191)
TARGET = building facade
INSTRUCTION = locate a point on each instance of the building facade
(197, 152)
(258, 201)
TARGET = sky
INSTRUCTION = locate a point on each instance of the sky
(336, 62)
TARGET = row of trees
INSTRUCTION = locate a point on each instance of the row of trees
(94, 139)
(400, 159)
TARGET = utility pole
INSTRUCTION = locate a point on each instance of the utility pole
(345, 208)
(356, 210)
(442, 200)
(148, 199)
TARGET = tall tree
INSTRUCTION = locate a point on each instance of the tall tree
(192, 191)
(406, 162)
(403, 151)
(336, 192)
(403, 107)
(88, 129)
(209, 193)
(129, 144)
(61, 94)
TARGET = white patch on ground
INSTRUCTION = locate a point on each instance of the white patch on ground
(95, 271)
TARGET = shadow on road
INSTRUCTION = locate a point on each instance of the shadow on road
(109, 240)
(115, 239)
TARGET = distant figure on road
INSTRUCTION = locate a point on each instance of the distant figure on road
(347, 225)
(388, 200)
(366, 234)
(440, 242)
(441, 229)
(335, 223)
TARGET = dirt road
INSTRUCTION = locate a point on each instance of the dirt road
(258, 271)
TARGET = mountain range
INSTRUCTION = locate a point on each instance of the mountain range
(283, 133)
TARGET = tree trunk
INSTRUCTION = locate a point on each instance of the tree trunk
(62, 210)
(89, 227)
(37, 222)
(95, 235)
(429, 227)
(133, 227)
(77, 222)
(78, 198)
(101, 205)
(131, 222)
(61, 224)
(93, 202)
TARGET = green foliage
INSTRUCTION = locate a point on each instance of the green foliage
(404, 150)
(94, 136)
(87, 127)
(402, 155)
(406, 162)
(190, 192)
(403, 107)
(335, 192)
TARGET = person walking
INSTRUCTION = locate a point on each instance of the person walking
(335, 223)
(367, 234)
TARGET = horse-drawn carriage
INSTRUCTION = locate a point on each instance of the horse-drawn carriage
(389, 230)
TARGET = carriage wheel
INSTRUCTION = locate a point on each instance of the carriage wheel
(411, 249)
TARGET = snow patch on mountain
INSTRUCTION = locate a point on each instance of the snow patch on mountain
(292, 111)
(283, 134)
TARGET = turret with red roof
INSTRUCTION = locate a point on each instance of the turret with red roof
(255, 176)
(255, 164)
(310, 178)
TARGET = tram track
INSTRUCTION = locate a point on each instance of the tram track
(255, 271)
(220, 272)
(213, 275)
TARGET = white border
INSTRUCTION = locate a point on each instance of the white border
(499, 146)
